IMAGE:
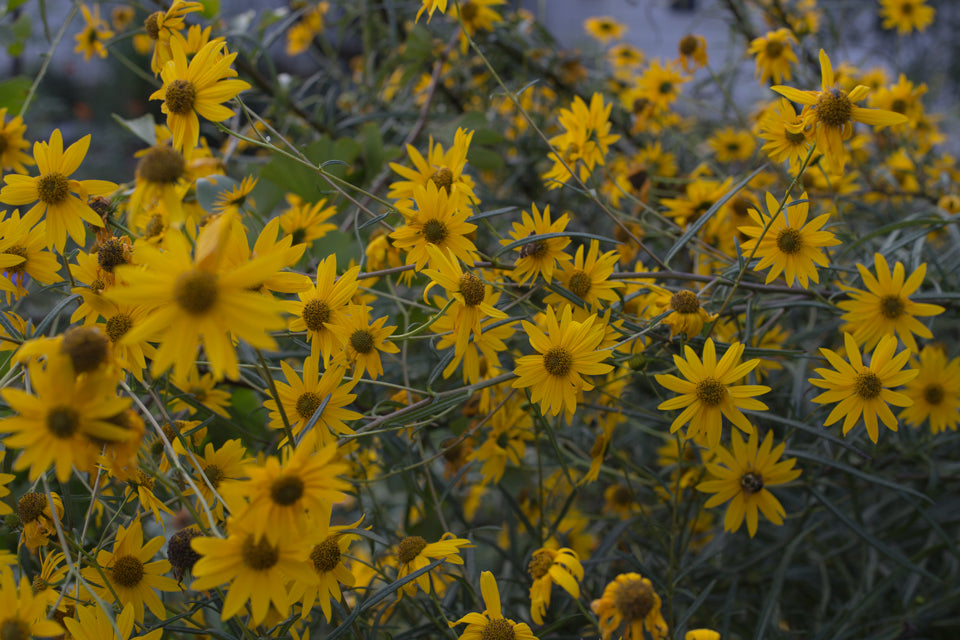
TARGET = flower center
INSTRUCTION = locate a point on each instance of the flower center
(540, 564)
(533, 249)
(634, 599)
(112, 253)
(622, 496)
(196, 291)
(443, 178)
(63, 422)
(154, 227)
(580, 283)
(834, 108)
(143, 480)
(326, 555)
(261, 555)
(53, 188)
(688, 45)
(472, 289)
(180, 97)
(933, 393)
(899, 105)
(795, 138)
(214, 475)
(751, 483)
(162, 164)
(867, 385)
(685, 301)
(892, 307)
(316, 314)
(362, 341)
(180, 553)
(14, 629)
(468, 11)
(31, 506)
(117, 326)
(665, 87)
(498, 629)
(711, 391)
(17, 250)
(307, 404)
(86, 347)
(790, 241)
(127, 571)
(640, 104)
(558, 361)
(409, 548)
(434, 231)
(152, 24)
(286, 490)
(773, 49)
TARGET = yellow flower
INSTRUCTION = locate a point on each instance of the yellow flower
(196, 88)
(413, 554)
(567, 352)
(36, 516)
(744, 477)
(783, 130)
(362, 341)
(305, 222)
(95, 31)
(476, 15)
(491, 623)
(12, 144)
(630, 600)
(511, 427)
(22, 253)
(443, 168)
(693, 52)
(540, 256)
(588, 277)
(438, 219)
(216, 466)
(585, 141)
(886, 308)
(935, 391)
(709, 392)
(431, 6)
(326, 560)
(24, 613)
(162, 27)
(604, 28)
(237, 197)
(625, 56)
(93, 623)
(860, 389)
(832, 111)
(701, 634)
(790, 245)
(686, 315)
(53, 191)
(660, 85)
(774, 55)
(203, 390)
(548, 566)
(131, 575)
(698, 197)
(732, 145)
(906, 15)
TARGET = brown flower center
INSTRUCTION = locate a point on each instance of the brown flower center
(86, 347)
(196, 291)
(53, 188)
(498, 629)
(685, 301)
(688, 45)
(316, 314)
(14, 629)
(30, 507)
(409, 548)
(558, 361)
(665, 88)
(17, 250)
(751, 483)
(622, 496)
(127, 571)
(261, 555)
(933, 393)
(326, 555)
(112, 253)
(117, 326)
(468, 11)
(63, 422)
(180, 97)
(162, 165)
(892, 307)
(634, 599)
(867, 385)
(795, 138)
(434, 231)
(214, 474)
(307, 404)
(152, 24)
(443, 178)
(362, 341)
(472, 289)
(711, 391)
(580, 283)
(773, 49)
(790, 241)
(540, 564)
(286, 490)
(834, 108)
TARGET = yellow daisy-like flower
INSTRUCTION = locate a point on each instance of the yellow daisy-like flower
(567, 352)
(588, 277)
(438, 219)
(217, 466)
(886, 308)
(198, 301)
(935, 391)
(511, 427)
(24, 614)
(132, 577)
(431, 6)
(12, 144)
(204, 391)
(698, 197)
(604, 28)
(625, 56)
(305, 222)
(732, 145)
(491, 623)
(196, 88)
(539, 256)
(324, 306)
(326, 560)
(237, 197)
(710, 392)
(93, 623)
(477, 15)
(630, 600)
(162, 27)
(443, 168)
(693, 52)
(790, 244)
(23, 253)
(90, 40)
(549, 566)
(585, 141)
(746, 473)
(302, 398)
(413, 554)
(782, 129)
(832, 111)
(660, 84)
(254, 569)
(53, 191)
(774, 55)
(859, 389)
(906, 15)
(686, 316)
(362, 341)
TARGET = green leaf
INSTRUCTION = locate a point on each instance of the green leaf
(337, 242)
(210, 8)
(484, 159)
(306, 182)
(144, 127)
(13, 92)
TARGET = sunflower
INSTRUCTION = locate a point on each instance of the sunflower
(774, 55)
(699, 195)
(162, 175)
(906, 15)
(625, 56)
(693, 52)
(199, 300)
(787, 242)
(709, 392)
(630, 600)
(94, 623)
(302, 398)
(491, 623)
(431, 6)
(23, 253)
(539, 256)
(12, 144)
(831, 112)
(53, 191)
(588, 278)
(439, 219)
(291, 497)
(237, 199)
(585, 141)
(326, 560)
(886, 308)
(90, 40)
(35, 513)
(860, 389)
(935, 391)
(214, 467)
(324, 306)
(414, 553)
(731, 145)
(685, 313)
(118, 320)
(197, 88)
(202, 388)
(660, 85)
(255, 569)
(24, 614)
(162, 27)
(131, 576)
(745, 475)
(305, 222)
(362, 341)
(443, 168)
(549, 566)
(604, 28)
(477, 15)
(567, 352)
(783, 131)
(511, 428)
(480, 352)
